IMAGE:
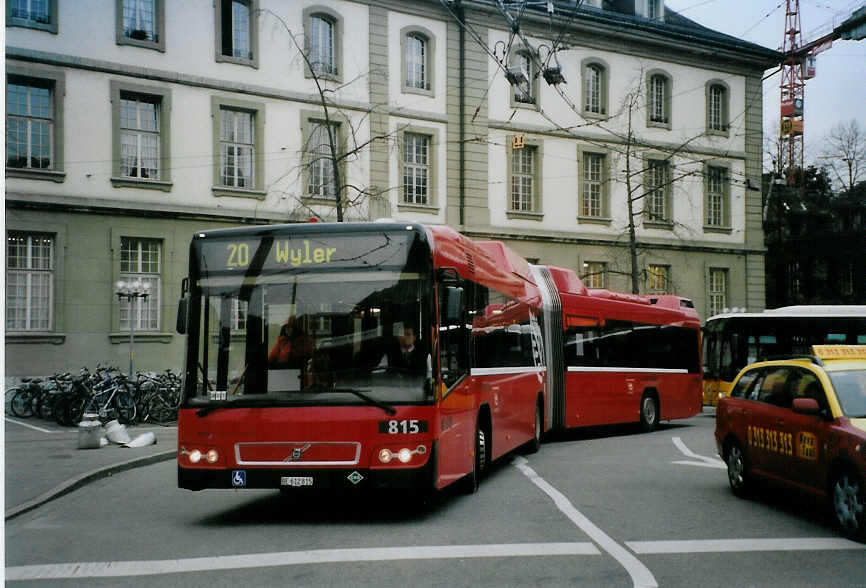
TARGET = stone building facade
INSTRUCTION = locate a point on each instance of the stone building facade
(133, 124)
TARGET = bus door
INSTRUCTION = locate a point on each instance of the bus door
(584, 401)
(455, 397)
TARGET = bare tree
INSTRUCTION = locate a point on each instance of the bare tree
(845, 154)
(325, 168)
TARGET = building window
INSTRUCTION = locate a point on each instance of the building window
(236, 34)
(34, 14)
(139, 136)
(523, 92)
(140, 261)
(594, 89)
(320, 163)
(658, 278)
(416, 168)
(239, 314)
(593, 275)
(237, 148)
(416, 62)
(141, 23)
(523, 178)
(322, 42)
(658, 103)
(29, 124)
(592, 203)
(654, 9)
(29, 281)
(657, 191)
(717, 108)
(716, 197)
(718, 290)
(322, 45)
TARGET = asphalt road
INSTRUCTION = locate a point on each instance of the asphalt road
(605, 507)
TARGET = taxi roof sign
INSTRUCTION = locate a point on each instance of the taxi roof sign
(839, 351)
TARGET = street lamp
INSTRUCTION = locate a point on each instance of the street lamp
(131, 291)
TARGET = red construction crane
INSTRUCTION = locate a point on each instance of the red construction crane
(798, 65)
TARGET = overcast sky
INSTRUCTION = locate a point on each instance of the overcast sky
(836, 94)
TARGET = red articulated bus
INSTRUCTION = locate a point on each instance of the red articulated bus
(356, 355)
(622, 357)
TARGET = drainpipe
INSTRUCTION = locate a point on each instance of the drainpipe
(462, 17)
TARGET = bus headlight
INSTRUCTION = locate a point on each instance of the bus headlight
(195, 456)
(403, 455)
(212, 456)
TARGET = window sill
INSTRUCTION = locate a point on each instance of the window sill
(593, 220)
(658, 224)
(309, 200)
(35, 338)
(332, 77)
(29, 24)
(220, 58)
(418, 91)
(525, 105)
(524, 215)
(141, 43)
(119, 337)
(423, 208)
(658, 125)
(36, 174)
(220, 191)
(594, 115)
(163, 185)
(719, 230)
(717, 133)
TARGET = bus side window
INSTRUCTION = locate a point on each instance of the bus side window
(453, 345)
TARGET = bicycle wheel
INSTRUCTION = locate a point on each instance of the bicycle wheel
(22, 403)
(124, 406)
(160, 411)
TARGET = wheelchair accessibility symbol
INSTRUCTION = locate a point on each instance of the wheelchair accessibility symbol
(239, 478)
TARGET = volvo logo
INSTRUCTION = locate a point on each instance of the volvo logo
(298, 452)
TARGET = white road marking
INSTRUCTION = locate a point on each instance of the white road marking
(639, 573)
(29, 426)
(747, 545)
(110, 569)
(704, 462)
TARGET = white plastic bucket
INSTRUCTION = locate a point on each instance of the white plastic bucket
(116, 432)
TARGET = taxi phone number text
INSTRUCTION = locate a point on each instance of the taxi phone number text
(770, 440)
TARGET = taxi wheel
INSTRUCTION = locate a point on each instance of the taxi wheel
(738, 475)
(849, 505)
(649, 413)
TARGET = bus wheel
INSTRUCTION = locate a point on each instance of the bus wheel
(535, 443)
(649, 412)
(738, 474)
(469, 483)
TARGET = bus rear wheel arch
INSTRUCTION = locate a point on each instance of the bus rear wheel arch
(649, 410)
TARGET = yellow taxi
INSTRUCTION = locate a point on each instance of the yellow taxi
(802, 422)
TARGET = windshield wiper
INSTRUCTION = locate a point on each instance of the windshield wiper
(368, 399)
(245, 402)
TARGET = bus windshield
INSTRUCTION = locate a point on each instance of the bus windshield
(353, 328)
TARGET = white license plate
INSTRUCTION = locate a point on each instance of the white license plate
(296, 481)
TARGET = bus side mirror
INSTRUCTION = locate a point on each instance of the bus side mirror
(453, 305)
(182, 312)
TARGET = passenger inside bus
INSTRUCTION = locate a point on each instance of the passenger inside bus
(403, 352)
